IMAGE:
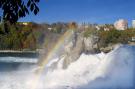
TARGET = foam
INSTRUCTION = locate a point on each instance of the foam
(112, 70)
(18, 60)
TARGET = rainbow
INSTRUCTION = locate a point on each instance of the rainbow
(45, 60)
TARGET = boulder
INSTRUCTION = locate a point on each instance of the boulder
(73, 52)
(91, 44)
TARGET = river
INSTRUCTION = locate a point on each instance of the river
(114, 70)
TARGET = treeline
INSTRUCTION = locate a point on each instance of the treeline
(116, 36)
(111, 36)
(19, 37)
(32, 36)
(28, 36)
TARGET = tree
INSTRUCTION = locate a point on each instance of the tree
(14, 9)
(73, 25)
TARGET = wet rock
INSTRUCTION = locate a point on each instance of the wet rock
(73, 52)
(91, 44)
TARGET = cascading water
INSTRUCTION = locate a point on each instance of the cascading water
(112, 70)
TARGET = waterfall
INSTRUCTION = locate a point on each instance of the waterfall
(111, 70)
(75, 69)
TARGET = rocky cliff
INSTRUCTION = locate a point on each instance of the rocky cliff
(77, 44)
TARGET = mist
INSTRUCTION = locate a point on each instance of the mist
(112, 70)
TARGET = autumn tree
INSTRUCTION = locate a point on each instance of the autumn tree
(72, 25)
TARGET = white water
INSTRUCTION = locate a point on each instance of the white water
(18, 60)
(112, 70)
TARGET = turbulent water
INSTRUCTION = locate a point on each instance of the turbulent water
(114, 70)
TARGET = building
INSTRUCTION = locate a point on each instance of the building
(133, 23)
(121, 24)
(25, 23)
(50, 29)
(105, 27)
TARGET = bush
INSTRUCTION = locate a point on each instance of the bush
(115, 36)
(90, 31)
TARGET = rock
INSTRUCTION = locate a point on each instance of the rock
(73, 52)
(109, 47)
(91, 44)
(106, 49)
(68, 47)
(78, 45)
(74, 46)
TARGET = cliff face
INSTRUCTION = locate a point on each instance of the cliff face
(91, 44)
(78, 45)
(74, 46)
(72, 52)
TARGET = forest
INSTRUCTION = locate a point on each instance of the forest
(37, 36)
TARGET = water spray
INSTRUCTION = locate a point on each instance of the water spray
(45, 60)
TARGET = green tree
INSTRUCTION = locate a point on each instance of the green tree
(12, 10)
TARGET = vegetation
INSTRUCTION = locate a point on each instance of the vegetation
(19, 37)
(112, 36)
(29, 37)
(90, 31)
(14, 9)
(34, 36)
(116, 36)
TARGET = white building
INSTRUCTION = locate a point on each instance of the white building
(25, 23)
(50, 28)
(133, 23)
(106, 29)
(97, 27)
(121, 24)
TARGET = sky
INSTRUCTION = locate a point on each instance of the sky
(92, 11)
